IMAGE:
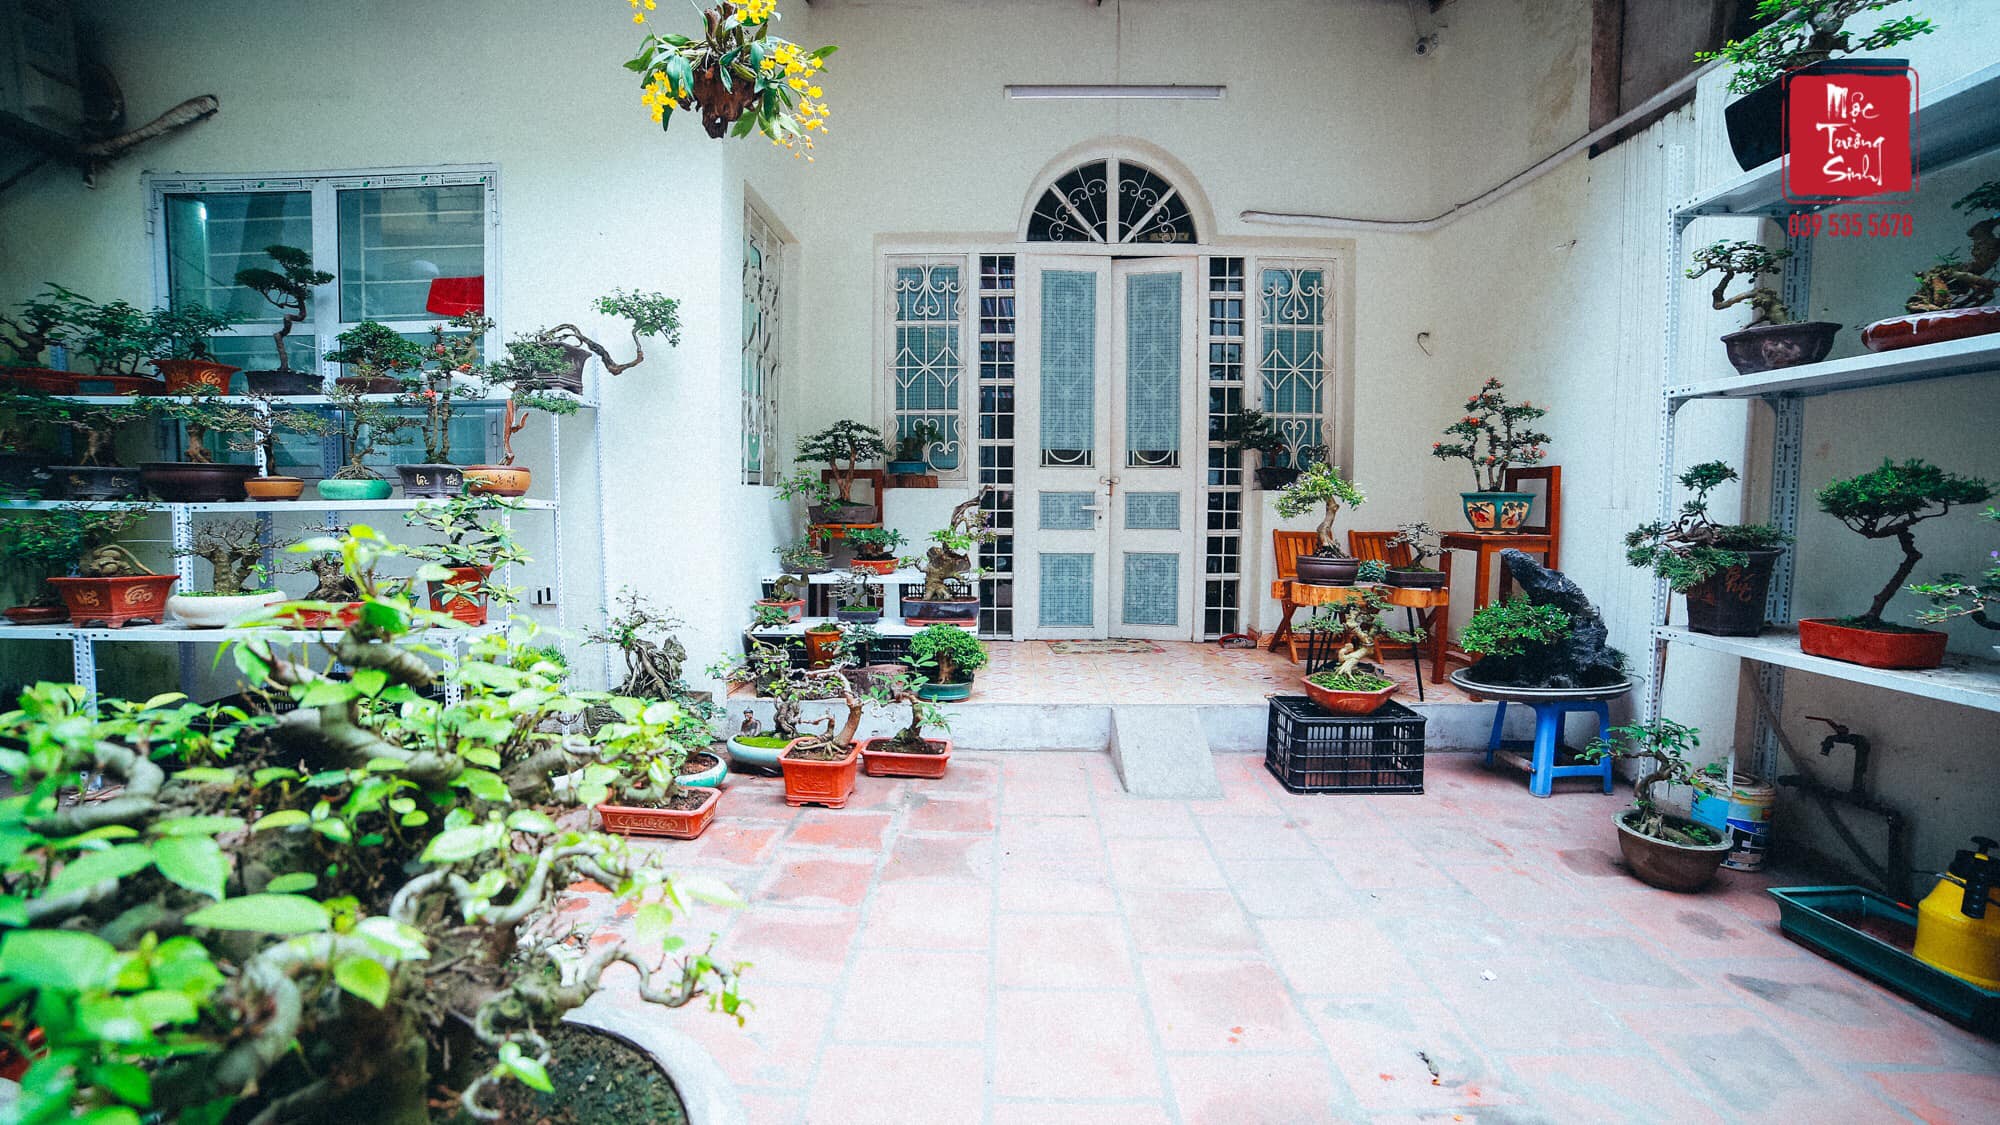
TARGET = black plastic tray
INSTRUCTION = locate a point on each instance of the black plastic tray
(1816, 917)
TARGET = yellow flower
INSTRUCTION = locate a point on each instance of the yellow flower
(638, 17)
(796, 83)
(815, 92)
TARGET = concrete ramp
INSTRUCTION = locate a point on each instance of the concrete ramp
(1163, 752)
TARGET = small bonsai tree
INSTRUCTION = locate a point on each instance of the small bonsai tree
(1323, 487)
(897, 690)
(39, 324)
(1956, 595)
(528, 370)
(1796, 33)
(1357, 625)
(116, 337)
(94, 426)
(376, 351)
(448, 359)
(947, 652)
(638, 757)
(476, 535)
(1254, 431)
(99, 554)
(914, 441)
(1422, 541)
(288, 288)
(854, 591)
(1957, 284)
(650, 314)
(1513, 628)
(644, 637)
(1888, 503)
(1505, 429)
(1693, 549)
(764, 615)
(1666, 744)
(875, 542)
(261, 427)
(201, 412)
(801, 556)
(186, 331)
(366, 428)
(38, 545)
(1749, 260)
(843, 447)
(947, 563)
(829, 744)
(235, 549)
(331, 585)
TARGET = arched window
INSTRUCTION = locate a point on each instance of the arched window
(1083, 205)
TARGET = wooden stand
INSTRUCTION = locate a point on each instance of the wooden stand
(912, 480)
(1485, 547)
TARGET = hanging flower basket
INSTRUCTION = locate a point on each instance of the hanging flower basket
(737, 76)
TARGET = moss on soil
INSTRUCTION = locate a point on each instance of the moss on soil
(598, 1081)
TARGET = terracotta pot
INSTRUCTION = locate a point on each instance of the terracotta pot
(433, 480)
(498, 480)
(889, 763)
(95, 482)
(917, 609)
(678, 824)
(1918, 329)
(1769, 347)
(1666, 865)
(191, 482)
(1731, 604)
(470, 610)
(809, 782)
(115, 602)
(820, 647)
(282, 382)
(274, 488)
(1496, 511)
(874, 566)
(1349, 702)
(36, 614)
(1409, 578)
(1324, 570)
(1871, 648)
(184, 375)
(794, 609)
(321, 619)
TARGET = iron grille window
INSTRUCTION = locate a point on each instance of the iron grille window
(996, 441)
(1222, 539)
(763, 274)
(926, 363)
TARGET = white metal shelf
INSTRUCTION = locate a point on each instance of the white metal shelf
(302, 504)
(182, 634)
(1962, 680)
(1954, 122)
(888, 626)
(302, 400)
(834, 577)
(1970, 356)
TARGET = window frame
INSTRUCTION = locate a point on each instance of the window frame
(890, 417)
(758, 223)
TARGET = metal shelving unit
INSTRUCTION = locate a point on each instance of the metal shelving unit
(1958, 121)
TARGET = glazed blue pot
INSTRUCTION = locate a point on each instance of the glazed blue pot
(761, 759)
(1497, 511)
(909, 468)
(946, 693)
(711, 778)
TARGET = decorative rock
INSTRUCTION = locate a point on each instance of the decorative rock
(1580, 660)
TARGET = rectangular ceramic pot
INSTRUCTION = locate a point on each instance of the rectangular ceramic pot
(888, 763)
(678, 824)
(1497, 511)
(819, 783)
(113, 602)
(877, 566)
(1870, 648)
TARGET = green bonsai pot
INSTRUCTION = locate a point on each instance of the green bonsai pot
(334, 488)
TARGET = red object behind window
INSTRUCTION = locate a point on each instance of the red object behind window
(452, 296)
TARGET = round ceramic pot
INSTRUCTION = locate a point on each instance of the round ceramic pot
(953, 692)
(1918, 329)
(1769, 347)
(95, 482)
(1871, 648)
(1497, 511)
(370, 488)
(185, 375)
(431, 481)
(874, 566)
(115, 602)
(676, 824)
(217, 611)
(1408, 578)
(274, 488)
(36, 614)
(1348, 702)
(909, 468)
(282, 382)
(1666, 865)
(710, 778)
(1323, 570)
(1731, 604)
(756, 758)
(497, 480)
(189, 482)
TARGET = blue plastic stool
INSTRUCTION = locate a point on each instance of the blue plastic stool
(1543, 770)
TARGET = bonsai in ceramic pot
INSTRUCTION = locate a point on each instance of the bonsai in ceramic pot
(334, 595)
(948, 655)
(529, 374)
(36, 546)
(909, 752)
(1421, 540)
(116, 338)
(1888, 503)
(802, 557)
(1493, 435)
(855, 598)
(844, 448)
(1349, 687)
(787, 598)
(450, 371)
(913, 444)
(31, 330)
(198, 477)
(1322, 487)
(825, 644)
(1253, 431)
(949, 570)
(1954, 298)
(94, 427)
(110, 587)
(875, 548)
(647, 314)
(767, 670)
(234, 550)
(289, 289)
(819, 769)
(1771, 340)
(182, 352)
(261, 438)
(476, 538)
(366, 427)
(1724, 569)
(377, 357)
(638, 764)
(1669, 852)
(1956, 595)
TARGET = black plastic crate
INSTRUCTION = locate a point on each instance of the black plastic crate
(1311, 751)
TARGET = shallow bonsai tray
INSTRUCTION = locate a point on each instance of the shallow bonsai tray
(1871, 934)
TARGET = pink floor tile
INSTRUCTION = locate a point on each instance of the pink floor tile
(1063, 951)
(1216, 1005)
(1079, 1113)
(1188, 922)
(794, 946)
(1283, 1089)
(896, 996)
(956, 858)
(1056, 1045)
(949, 916)
(905, 1085)
(819, 882)
(1945, 1098)
(936, 814)
(1177, 864)
(840, 828)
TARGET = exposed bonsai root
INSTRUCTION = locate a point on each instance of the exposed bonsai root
(136, 805)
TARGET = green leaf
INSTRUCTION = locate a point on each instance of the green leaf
(127, 1083)
(160, 1005)
(283, 818)
(334, 828)
(60, 959)
(651, 923)
(483, 784)
(324, 693)
(369, 681)
(206, 775)
(269, 774)
(708, 889)
(530, 820)
(364, 977)
(13, 911)
(91, 868)
(483, 756)
(264, 914)
(254, 667)
(530, 1071)
(292, 883)
(455, 844)
(195, 862)
(110, 1115)
(197, 825)
(393, 938)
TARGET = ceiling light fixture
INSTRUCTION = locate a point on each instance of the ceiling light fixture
(1158, 93)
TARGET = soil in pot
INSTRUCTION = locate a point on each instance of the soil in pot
(1883, 646)
(599, 1080)
(1668, 865)
(1327, 570)
(1769, 347)
(190, 482)
(1731, 604)
(1358, 694)
(703, 769)
(684, 815)
(885, 757)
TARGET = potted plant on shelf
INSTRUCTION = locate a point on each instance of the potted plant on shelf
(1421, 539)
(1322, 488)
(380, 358)
(117, 338)
(289, 289)
(909, 752)
(638, 763)
(948, 655)
(1724, 569)
(334, 596)
(1668, 852)
(530, 372)
(948, 593)
(1510, 440)
(1956, 595)
(737, 75)
(1794, 35)
(235, 550)
(437, 386)
(1356, 625)
(843, 448)
(24, 437)
(801, 557)
(787, 596)
(913, 443)
(53, 318)
(1254, 431)
(854, 598)
(1954, 298)
(477, 541)
(110, 587)
(200, 478)
(649, 314)
(95, 426)
(181, 350)
(39, 545)
(875, 549)
(824, 644)
(261, 438)
(1888, 503)
(1771, 340)
(819, 768)
(365, 428)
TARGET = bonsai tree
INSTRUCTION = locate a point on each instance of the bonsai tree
(1422, 541)
(1956, 284)
(366, 428)
(764, 615)
(804, 484)
(854, 591)
(1505, 429)
(260, 428)
(644, 637)
(1323, 487)
(1749, 260)
(1888, 503)
(650, 314)
(1796, 33)
(476, 536)
(1666, 744)
(638, 757)
(1957, 595)
(94, 426)
(914, 441)
(737, 75)
(1514, 627)
(376, 351)
(947, 563)
(895, 690)
(331, 585)
(72, 539)
(843, 447)
(116, 337)
(875, 542)
(200, 412)
(185, 331)
(530, 367)
(448, 359)
(801, 556)
(235, 549)
(40, 323)
(1693, 548)
(1253, 430)
(947, 653)
(1357, 625)
(288, 288)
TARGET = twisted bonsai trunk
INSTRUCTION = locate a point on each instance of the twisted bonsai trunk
(1911, 557)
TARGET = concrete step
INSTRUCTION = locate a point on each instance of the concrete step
(1163, 752)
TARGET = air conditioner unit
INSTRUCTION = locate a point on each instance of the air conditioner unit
(38, 78)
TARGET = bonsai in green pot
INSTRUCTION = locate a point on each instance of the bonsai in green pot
(843, 448)
(1772, 339)
(1322, 488)
(948, 655)
(1888, 503)
(1492, 436)
(913, 443)
(1724, 569)
(1669, 852)
(366, 427)
(289, 289)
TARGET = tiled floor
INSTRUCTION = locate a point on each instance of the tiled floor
(1032, 672)
(1022, 942)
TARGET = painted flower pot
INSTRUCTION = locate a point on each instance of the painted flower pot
(710, 776)
(874, 566)
(115, 602)
(1348, 702)
(469, 608)
(811, 782)
(1497, 511)
(879, 761)
(794, 609)
(1326, 570)
(367, 488)
(952, 692)
(185, 375)
(498, 480)
(909, 468)
(274, 488)
(432, 480)
(1667, 865)
(1731, 604)
(1871, 648)
(1769, 347)
(677, 824)
(1919, 329)
(917, 609)
(757, 753)
(191, 482)
(36, 614)
(95, 482)
(217, 611)
(323, 619)
(1410, 578)
(282, 382)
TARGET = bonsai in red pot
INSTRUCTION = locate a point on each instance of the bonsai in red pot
(111, 587)
(1356, 627)
(1888, 503)
(908, 752)
(38, 546)
(635, 780)
(477, 539)
(819, 769)
(181, 351)
(1954, 298)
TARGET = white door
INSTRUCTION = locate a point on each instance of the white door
(1110, 449)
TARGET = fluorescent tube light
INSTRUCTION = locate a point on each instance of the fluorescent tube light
(1173, 92)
